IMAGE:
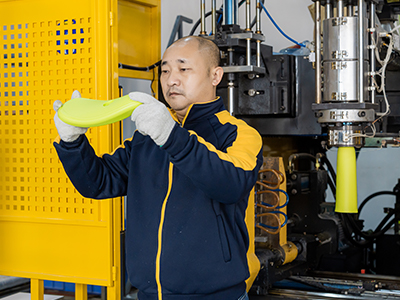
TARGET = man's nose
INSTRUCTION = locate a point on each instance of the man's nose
(173, 78)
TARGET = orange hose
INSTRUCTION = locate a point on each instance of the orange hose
(276, 197)
(271, 184)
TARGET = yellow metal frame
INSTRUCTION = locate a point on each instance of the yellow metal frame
(48, 231)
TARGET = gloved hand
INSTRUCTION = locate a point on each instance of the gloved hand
(68, 133)
(152, 118)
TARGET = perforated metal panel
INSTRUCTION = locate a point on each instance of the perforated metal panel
(47, 229)
(41, 61)
(47, 50)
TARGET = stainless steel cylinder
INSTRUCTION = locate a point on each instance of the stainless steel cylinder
(317, 39)
(339, 39)
(341, 60)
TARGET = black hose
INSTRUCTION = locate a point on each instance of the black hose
(369, 236)
(219, 12)
(128, 67)
(331, 183)
(385, 219)
(373, 196)
(326, 161)
(348, 235)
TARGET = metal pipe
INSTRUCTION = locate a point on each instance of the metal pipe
(258, 54)
(318, 96)
(328, 9)
(230, 12)
(248, 15)
(203, 17)
(258, 13)
(350, 10)
(361, 51)
(372, 51)
(231, 97)
(340, 8)
(258, 31)
(248, 52)
(213, 17)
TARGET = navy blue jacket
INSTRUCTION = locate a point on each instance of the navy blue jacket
(186, 234)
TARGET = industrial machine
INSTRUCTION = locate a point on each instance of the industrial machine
(345, 94)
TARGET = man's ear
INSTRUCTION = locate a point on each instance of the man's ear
(217, 74)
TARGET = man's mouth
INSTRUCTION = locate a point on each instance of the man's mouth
(173, 94)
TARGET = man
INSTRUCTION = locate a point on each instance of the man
(187, 173)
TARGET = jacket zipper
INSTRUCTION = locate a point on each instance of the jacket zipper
(160, 229)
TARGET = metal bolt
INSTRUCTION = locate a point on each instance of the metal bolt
(361, 114)
(252, 92)
(294, 176)
(294, 191)
(319, 114)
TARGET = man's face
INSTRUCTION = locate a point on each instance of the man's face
(186, 76)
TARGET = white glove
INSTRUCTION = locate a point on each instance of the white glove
(152, 118)
(68, 133)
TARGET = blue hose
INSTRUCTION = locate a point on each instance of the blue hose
(279, 29)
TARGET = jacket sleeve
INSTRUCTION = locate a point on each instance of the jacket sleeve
(93, 176)
(225, 175)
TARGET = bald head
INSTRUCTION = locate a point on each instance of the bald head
(206, 47)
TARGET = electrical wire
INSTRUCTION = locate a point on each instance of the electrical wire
(279, 29)
(381, 88)
(382, 71)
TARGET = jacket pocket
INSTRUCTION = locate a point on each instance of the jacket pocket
(226, 250)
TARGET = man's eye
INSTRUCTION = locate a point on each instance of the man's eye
(183, 69)
(164, 71)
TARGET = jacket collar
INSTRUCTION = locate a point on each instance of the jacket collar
(197, 111)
